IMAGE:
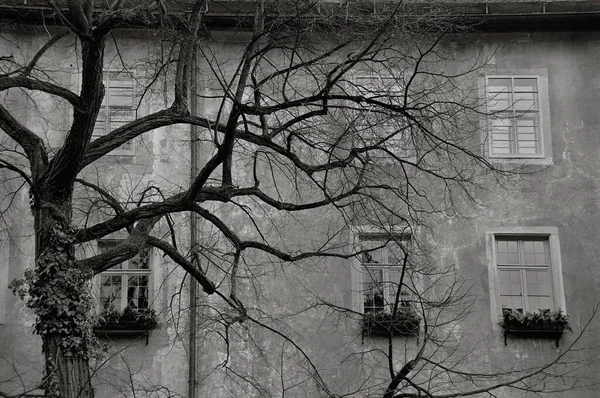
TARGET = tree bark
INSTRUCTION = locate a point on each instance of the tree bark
(406, 369)
(60, 297)
(65, 376)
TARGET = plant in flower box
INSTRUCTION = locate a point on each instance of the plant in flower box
(405, 322)
(129, 319)
(513, 320)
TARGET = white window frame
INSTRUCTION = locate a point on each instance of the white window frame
(358, 272)
(549, 233)
(127, 149)
(545, 155)
(124, 272)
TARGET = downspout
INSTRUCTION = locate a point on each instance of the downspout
(194, 141)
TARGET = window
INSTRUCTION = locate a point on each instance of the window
(381, 266)
(526, 274)
(117, 107)
(517, 125)
(127, 284)
(374, 125)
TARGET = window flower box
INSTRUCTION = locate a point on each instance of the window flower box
(404, 323)
(131, 322)
(540, 324)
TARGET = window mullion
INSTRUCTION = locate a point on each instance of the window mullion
(391, 295)
(523, 273)
(549, 267)
(124, 291)
(386, 288)
(107, 103)
(513, 117)
(513, 123)
(524, 290)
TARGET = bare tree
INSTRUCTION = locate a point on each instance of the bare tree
(318, 120)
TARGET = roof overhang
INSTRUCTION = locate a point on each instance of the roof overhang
(494, 16)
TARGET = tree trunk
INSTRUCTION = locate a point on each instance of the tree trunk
(65, 376)
(60, 296)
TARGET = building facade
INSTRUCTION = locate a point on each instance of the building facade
(328, 326)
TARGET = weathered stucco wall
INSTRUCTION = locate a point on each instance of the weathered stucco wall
(303, 299)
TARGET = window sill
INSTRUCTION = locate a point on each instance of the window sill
(545, 161)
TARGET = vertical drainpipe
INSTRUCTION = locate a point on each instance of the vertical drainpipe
(194, 141)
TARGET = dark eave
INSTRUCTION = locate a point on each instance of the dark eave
(492, 15)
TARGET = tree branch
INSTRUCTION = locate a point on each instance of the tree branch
(27, 139)
(128, 132)
(38, 85)
(125, 250)
(173, 253)
(27, 70)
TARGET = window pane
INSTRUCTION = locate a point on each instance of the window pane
(541, 253)
(373, 291)
(137, 291)
(535, 253)
(373, 276)
(538, 283)
(120, 89)
(110, 292)
(121, 97)
(533, 303)
(515, 303)
(525, 85)
(499, 101)
(510, 282)
(527, 133)
(501, 124)
(539, 303)
(501, 135)
(394, 276)
(528, 251)
(511, 289)
(513, 252)
(496, 85)
(525, 101)
(501, 149)
(508, 252)
(543, 303)
(377, 253)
